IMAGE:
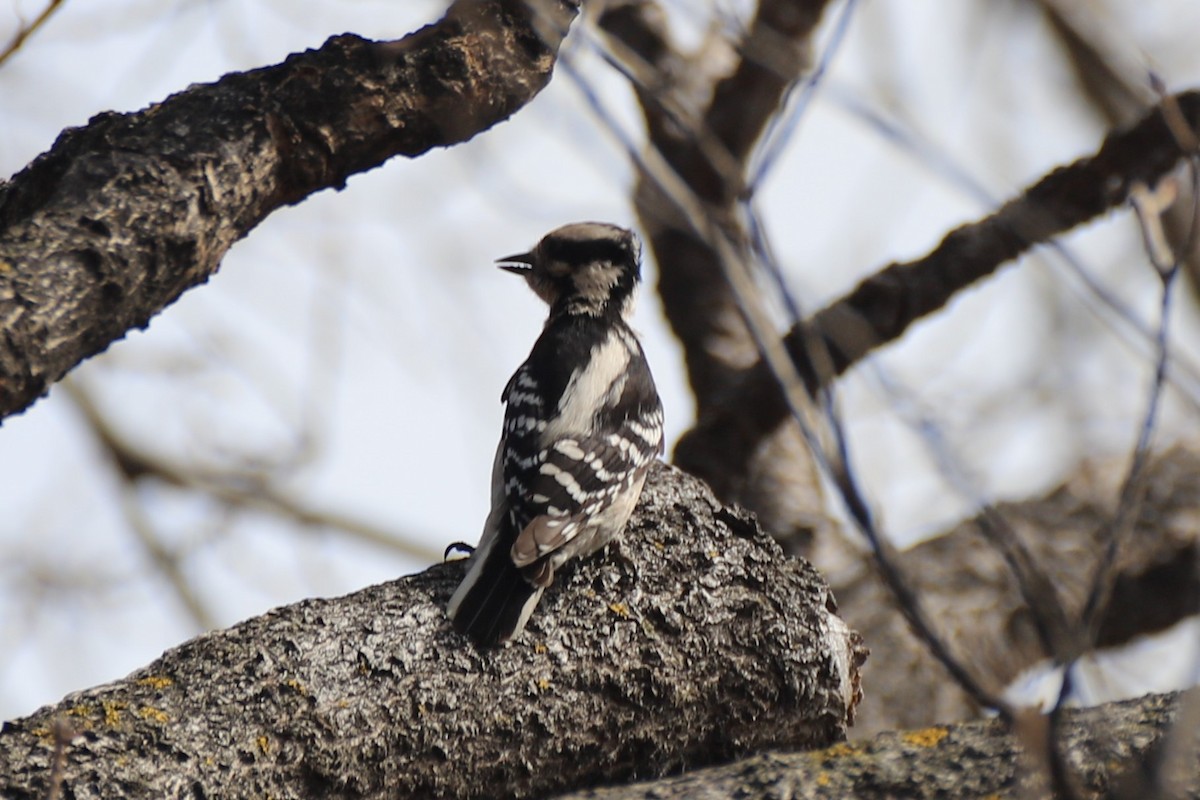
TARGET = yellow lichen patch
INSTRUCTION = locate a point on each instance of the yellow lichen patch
(540, 648)
(264, 744)
(543, 684)
(620, 609)
(83, 713)
(156, 681)
(43, 733)
(299, 687)
(927, 737)
(823, 779)
(839, 750)
(112, 712)
(713, 554)
(154, 714)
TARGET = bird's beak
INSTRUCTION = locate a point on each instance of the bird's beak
(520, 264)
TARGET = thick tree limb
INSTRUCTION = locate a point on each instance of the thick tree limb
(694, 641)
(709, 150)
(881, 308)
(113, 223)
(965, 585)
(1112, 750)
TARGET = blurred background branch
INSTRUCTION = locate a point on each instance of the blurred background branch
(27, 29)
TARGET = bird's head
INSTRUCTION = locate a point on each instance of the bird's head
(582, 268)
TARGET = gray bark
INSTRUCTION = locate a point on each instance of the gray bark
(121, 216)
(1112, 751)
(692, 642)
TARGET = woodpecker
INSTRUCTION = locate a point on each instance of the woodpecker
(583, 423)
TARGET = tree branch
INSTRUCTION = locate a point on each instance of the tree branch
(709, 153)
(112, 224)
(28, 29)
(693, 641)
(965, 585)
(881, 308)
(1112, 749)
(709, 150)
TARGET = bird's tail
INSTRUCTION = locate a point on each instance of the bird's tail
(494, 600)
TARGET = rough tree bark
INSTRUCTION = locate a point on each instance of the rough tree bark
(112, 224)
(1111, 749)
(692, 642)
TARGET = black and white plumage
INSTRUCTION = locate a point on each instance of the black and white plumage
(582, 425)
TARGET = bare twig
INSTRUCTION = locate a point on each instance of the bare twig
(1130, 496)
(239, 491)
(63, 732)
(27, 30)
(129, 471)
(1149, 216)
(1096, 298)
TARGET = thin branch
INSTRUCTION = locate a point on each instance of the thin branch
(1104, 303)
(883, 306)
(782, 128)
(244, 491)
(1167, 265)
(165, 561)
(1129, 501)
(27, 30)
